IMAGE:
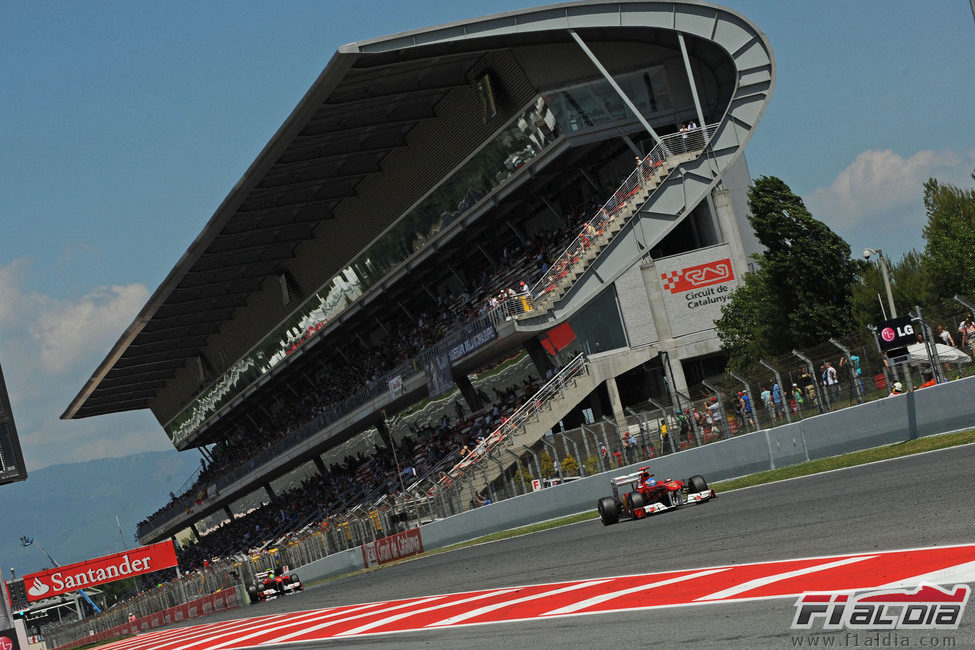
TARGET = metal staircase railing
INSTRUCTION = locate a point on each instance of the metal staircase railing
(555, 386)
(598, 231)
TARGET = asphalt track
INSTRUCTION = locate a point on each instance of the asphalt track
(915, 501)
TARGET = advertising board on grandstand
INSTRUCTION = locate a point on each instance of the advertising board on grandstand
(392, 548)
(695, 286)
(472, 341)
(60, 580)
(438, 375)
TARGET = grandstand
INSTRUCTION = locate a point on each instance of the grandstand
(462, 235)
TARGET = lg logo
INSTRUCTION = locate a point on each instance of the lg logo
(6, 643)
(889, 333)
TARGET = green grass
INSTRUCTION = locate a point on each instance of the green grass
(850, 460)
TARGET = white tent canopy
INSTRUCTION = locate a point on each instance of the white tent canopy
(946, 353)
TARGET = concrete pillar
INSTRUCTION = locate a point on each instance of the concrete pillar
(270, 492)
(467, 390)
(615, 404)
(539, 356)
(658, 312)
(195, 531)
(724, 213)
(230, 513)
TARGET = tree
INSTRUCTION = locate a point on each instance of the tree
(570, 466)
(949, 251)
(801, 293)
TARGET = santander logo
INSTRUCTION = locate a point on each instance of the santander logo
(38, 588)
(887, 334)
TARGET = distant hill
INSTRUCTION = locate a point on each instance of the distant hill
(70, 509)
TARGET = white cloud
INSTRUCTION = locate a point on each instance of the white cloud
(880, 180)
(67, 330)
(49, 347)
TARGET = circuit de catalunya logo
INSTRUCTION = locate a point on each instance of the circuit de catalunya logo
(694, 277)
(927, 607)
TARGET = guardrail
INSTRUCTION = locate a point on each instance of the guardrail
(596, 229)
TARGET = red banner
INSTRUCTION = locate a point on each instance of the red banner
(695, 277)
(145, 559)
(392, 548)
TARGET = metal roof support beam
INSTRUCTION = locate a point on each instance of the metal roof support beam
(615, 86)
(691, 81)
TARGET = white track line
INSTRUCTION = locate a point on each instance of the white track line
(948, 576)
(595, 600)
(264, 627)
(767, 580)
(292, 635)
(397, 617)
(490, 608)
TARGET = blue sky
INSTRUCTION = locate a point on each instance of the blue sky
(125, 124)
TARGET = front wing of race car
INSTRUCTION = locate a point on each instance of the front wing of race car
(657, 506)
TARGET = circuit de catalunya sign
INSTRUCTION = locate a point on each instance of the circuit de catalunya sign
(59, 580)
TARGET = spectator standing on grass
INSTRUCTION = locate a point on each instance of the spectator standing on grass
(778, 404)
(945, 336)
(832, 382)
(967, 330)
(766, 396)
(714, 411)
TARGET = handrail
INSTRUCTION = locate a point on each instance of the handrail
(578, 366)
(595, 230)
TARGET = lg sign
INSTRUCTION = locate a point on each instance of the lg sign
(896, 333)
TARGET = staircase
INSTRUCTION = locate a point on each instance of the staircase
(541, 413)
(599, 232)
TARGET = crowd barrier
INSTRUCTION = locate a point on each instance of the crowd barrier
(216, 602)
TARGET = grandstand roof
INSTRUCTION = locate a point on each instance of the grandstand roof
(362, 106)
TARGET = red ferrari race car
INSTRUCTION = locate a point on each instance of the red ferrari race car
(269, 586)
(639, 495)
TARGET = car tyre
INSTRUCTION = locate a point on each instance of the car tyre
(608, 511)
(637, 500)
(697, 483)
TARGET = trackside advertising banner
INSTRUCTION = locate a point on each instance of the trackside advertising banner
(392, 548)
(145, 559)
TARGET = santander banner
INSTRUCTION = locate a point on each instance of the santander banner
(145, 559)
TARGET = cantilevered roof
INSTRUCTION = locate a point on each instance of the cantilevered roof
(365, 102)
